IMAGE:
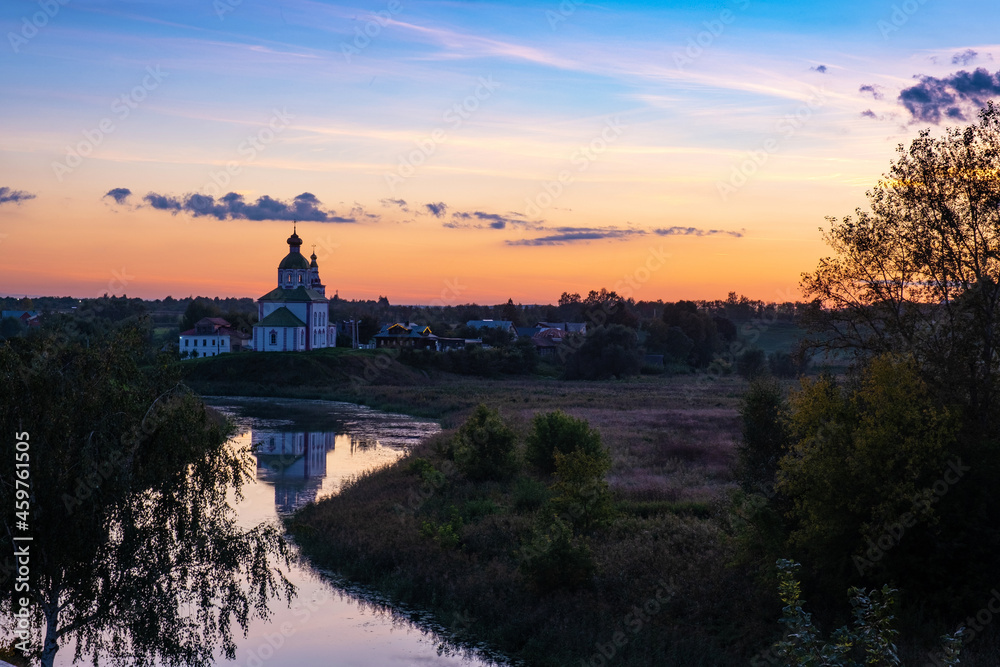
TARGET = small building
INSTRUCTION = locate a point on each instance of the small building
(211, 336)
(568, 327)
(502, 325)
(406, 335)
(548, 340)
(26, 317)
(449, 344)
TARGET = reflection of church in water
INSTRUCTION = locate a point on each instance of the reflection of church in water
(295, 463)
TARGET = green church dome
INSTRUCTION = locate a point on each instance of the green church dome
(294, 260)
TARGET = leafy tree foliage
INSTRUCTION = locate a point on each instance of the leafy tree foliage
(752, 363)
(919, 273)
(783, 365)
(485, 447)
(608, 308)
(607, 351)
(136, 552)
(512, 313)
(555, 559)
(196, 310)
(861, 456)
(558, 432)
(871, 640)
(581, 493)
(11, 327)
(765, 440)
(698, 327)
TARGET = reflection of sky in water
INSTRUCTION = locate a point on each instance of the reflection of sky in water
(309, 448)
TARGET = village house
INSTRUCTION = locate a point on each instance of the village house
(211, 336)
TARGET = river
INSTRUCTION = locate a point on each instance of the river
(307, 449)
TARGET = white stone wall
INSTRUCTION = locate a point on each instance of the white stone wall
(207, 345)
(285, 339)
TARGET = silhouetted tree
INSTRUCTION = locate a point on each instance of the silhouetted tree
(608, 351)
(919, 273)
(137, 554)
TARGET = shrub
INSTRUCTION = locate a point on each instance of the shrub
(582, 494)
(751, 363)
(558, 432)
(553, 559)
(765, 435)
(784, 365)
(485, 447)
(427, 472)
(448, 535)
(871, 640)
(529, 494)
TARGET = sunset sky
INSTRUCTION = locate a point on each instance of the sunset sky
(456, 152)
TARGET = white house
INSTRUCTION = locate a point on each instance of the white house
(295, 315)
(211, 336)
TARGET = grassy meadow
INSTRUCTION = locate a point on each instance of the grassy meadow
(670, 579)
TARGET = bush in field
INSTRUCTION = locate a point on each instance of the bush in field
(529, 494)
(581, 493)
(783, 365)
(871, 640)
(485, 447)
(765, 435)
(751, 363)
(558, 432)
(553, 559)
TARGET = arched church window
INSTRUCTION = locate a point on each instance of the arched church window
(300, 278)
(274, 338)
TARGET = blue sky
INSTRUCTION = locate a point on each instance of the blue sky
(745, 121)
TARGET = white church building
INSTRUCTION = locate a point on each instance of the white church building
(294, 315)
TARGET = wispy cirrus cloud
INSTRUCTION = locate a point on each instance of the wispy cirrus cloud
(303, 208)
(398, 203)
(565, 235)
(11, 196)
(872, 89)
(966, 57)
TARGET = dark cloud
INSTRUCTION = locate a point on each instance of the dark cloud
(564, 235)
(118, 194)
(872, 89)
(951, 97)
(17, 196)
(868, 113)
(481, 220)
(438, 209)
(966, 57)
(401, 203)
(819, 68)
(304, 208)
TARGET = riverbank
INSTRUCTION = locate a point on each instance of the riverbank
(671, 437)
(662, 591)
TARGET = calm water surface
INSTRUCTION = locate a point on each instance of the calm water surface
(307, 449)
